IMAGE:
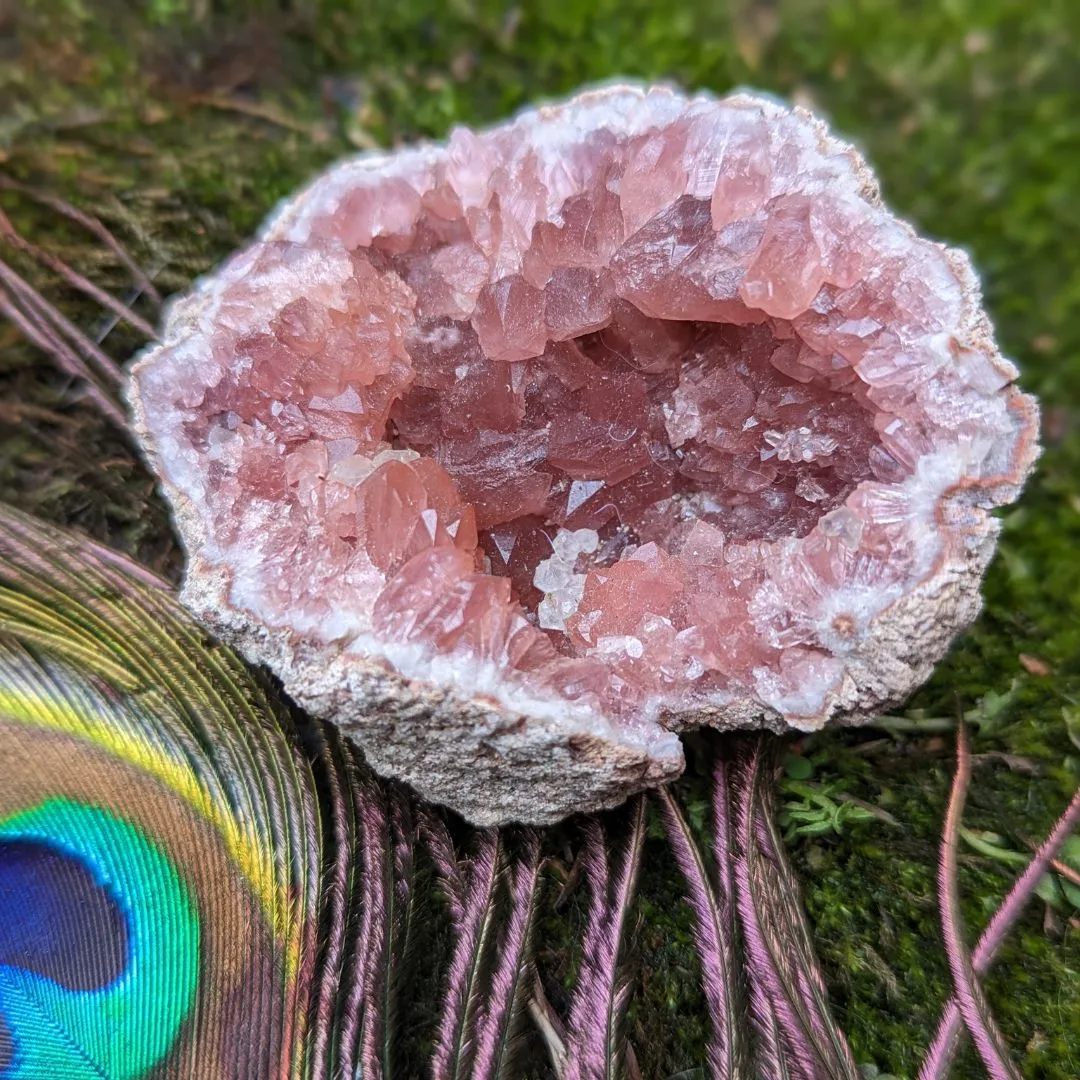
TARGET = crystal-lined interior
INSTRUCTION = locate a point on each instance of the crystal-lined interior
(627, 414)
(634, 431)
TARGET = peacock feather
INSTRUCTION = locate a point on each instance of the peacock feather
(175, 898)
(197, 883)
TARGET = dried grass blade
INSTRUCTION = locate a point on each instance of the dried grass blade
(549, 1024)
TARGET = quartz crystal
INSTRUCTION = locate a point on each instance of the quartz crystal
(518, 454)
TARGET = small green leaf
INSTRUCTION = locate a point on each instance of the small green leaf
(984, 844)
(1071, 891)
(1071, 715)
(1070, 852)
(1050, 891)
(815, 828)
(992, 709)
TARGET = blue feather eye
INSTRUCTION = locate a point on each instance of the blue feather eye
(56, 920)
(135, 972)
(175, 898)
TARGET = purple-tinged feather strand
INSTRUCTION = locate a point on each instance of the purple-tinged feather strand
(970, 1000)
(596, 1039)
(714, 936)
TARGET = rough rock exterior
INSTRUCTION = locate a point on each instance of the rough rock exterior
(516, 455)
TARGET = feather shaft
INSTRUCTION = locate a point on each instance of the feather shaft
(77, 281)
(596, 1040)
(714, 935)
(970, 999)
(93, 225)
(511, 975)
(788, 997)
(947, 1038)
(455, 1041)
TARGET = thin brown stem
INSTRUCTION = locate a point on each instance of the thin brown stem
(93, 225)
(66, 358)
(74, 278)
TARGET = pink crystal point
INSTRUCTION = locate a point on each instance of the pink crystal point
(516, 455)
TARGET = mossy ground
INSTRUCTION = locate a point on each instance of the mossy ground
(182, 124)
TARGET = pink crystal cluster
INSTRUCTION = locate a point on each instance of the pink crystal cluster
(640, 407)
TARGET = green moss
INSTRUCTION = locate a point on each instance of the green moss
(970, 112)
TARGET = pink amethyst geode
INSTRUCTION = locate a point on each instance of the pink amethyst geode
(516, 455)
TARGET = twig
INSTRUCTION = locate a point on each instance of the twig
(1065, 871)
(570, 882)
(258, 111)
(1014, 762)
(869, 807)
(1060, 868)
(66, 358)
(74, 278)
(550, 1026)
(91, 224)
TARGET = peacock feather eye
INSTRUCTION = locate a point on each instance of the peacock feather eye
(108, 965)
(57, 919)
(163, 851)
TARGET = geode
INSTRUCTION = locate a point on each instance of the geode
(516, 455)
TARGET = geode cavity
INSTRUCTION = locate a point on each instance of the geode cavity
(515, 455)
